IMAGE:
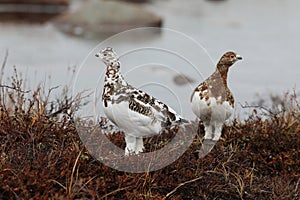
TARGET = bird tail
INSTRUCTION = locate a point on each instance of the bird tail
(180, 121)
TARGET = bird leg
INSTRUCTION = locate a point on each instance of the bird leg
(139, 145)
(217, 131)
(213, 131)
(208, 131)
(130, 144)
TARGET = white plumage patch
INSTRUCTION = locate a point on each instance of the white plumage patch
(213, 112)
(212, 108)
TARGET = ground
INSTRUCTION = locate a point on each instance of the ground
(42, 156)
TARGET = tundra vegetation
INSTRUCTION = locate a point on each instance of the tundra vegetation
(42, 156)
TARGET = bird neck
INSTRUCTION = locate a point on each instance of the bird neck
(113, 75)
(222, 71)
(113, 81)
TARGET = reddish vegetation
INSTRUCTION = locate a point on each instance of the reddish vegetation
(43, 158)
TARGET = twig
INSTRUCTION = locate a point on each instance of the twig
(72, 174)
(118, 190)
(297, 185)
(87, 182)
(77, 98)
(50, 90)
(16, 196)
(60, 110)
(180, 185)
(55, 181)
(260, 107)
(3, 65)
(13, 88)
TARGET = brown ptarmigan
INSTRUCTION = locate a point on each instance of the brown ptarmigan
(212, 101)
(135, 112)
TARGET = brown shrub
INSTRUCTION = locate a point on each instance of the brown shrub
(43, 157)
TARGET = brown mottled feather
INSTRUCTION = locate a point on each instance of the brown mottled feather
(216, 85)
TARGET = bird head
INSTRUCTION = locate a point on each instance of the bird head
(229, 58)
(108, 56)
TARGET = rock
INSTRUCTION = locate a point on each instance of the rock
(31, 11)
(106, 18)
(182, 79)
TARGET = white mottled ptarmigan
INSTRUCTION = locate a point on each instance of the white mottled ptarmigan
(135, 112)
(212, 101)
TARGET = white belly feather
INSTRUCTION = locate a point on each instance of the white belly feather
(133, 123)
(212, 109)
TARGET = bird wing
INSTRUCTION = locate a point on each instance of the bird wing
(142, 102)
(202, 90)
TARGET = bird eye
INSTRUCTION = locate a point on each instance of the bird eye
(105, 54)
(232, 56)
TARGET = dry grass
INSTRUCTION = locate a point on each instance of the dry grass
(42, 156)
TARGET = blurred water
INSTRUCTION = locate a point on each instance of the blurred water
(265, 33)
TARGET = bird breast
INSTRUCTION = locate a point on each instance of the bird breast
(211, 108)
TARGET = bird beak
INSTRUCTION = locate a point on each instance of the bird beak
(239, 57)
(97, 55)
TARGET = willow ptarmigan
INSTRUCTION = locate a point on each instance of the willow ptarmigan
(135, 112)
(212, 101)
